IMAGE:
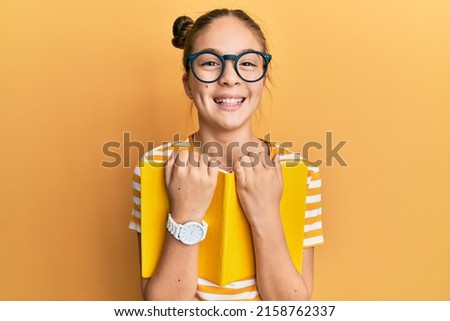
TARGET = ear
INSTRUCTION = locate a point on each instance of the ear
(186, 85)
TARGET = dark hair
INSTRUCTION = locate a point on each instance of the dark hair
(185, 30)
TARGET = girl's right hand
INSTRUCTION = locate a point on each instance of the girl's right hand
(191, 182)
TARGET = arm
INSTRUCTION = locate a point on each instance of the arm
(190, 184)
(260, 188)
(172, 280)
(276, 275)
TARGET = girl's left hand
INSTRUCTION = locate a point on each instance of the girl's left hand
(259, 185)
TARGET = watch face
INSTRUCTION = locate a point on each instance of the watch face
(191, 233)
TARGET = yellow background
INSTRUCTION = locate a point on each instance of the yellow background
(77, 74)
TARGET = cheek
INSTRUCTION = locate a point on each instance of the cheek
(258, 90)
(200, 87)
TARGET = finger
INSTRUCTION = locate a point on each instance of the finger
(276, 161)
(213, 169)
(169, 167)
(204, 163)
(239, 171)
(193, 159)
(247, 162)
(247, 166)
(214, 163)
(277, 164)
(265, 160)
(250, 160)
(182, 159)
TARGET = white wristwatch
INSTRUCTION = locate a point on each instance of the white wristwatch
(189, 233)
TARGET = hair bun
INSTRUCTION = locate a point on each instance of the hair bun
(180, 29)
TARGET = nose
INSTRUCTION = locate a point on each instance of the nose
(229, 76)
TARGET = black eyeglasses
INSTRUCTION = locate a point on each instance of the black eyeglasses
(208, 66)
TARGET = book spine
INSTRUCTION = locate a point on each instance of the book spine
(229, 189)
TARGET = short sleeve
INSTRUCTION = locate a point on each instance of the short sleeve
(158, 154)
(313, 209)
(135, 221)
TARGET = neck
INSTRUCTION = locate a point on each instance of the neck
(237, 136)
(228, 146)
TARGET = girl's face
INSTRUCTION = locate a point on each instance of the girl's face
(229, 103)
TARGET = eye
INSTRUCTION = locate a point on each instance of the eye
(248, 64)
(209, 63)
(250, 61)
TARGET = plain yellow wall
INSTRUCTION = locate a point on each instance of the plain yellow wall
(77, 74)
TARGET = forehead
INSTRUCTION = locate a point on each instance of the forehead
(227, 35)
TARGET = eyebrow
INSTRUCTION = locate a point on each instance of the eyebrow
(221, 53)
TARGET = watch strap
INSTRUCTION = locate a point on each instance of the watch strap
(174, 228)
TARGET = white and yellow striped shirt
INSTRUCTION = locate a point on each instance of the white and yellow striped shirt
(243, 289)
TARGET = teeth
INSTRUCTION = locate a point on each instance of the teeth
(228, 101)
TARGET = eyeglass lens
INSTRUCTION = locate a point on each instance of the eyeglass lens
(208, 67)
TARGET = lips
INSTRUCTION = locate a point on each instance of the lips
(229, 101)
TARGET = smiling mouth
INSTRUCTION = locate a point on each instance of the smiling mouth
(229, 101)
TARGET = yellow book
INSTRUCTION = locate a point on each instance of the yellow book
(226, 255)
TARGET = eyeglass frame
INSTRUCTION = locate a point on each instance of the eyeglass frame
(223, 58)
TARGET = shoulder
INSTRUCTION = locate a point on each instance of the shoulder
(293, 158)
(161, 153)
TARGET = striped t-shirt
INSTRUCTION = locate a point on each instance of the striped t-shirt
(243, 289)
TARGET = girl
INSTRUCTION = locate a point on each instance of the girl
(226, 60)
